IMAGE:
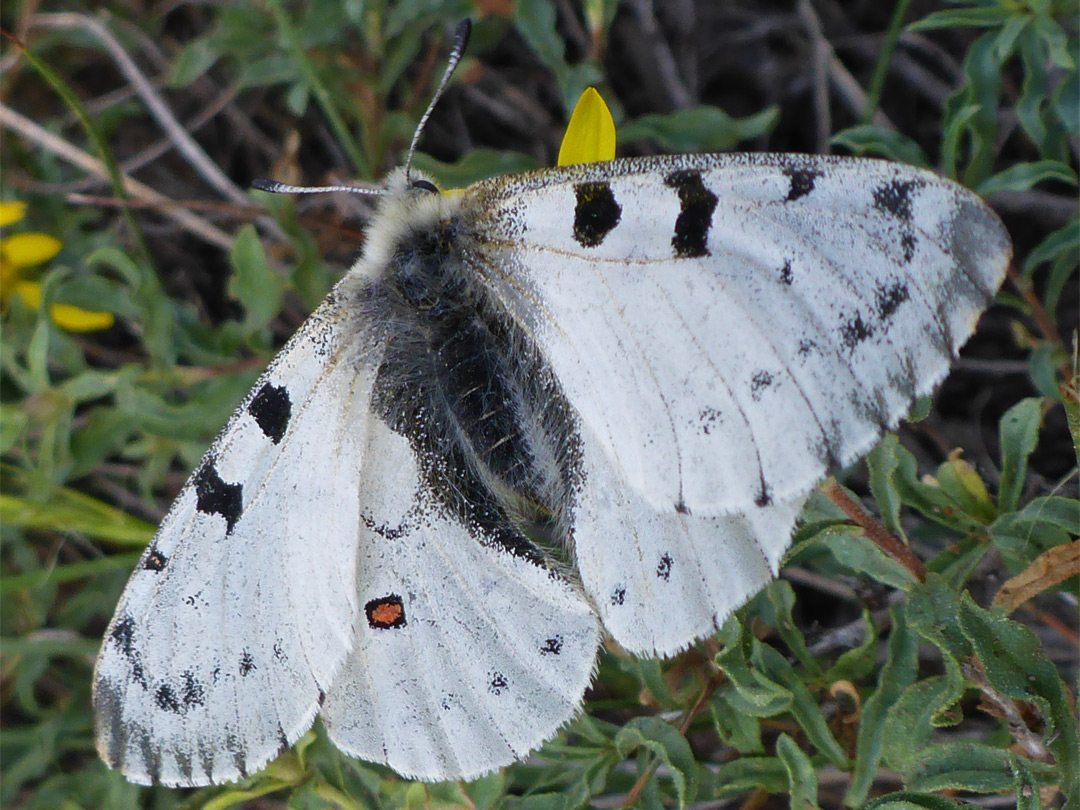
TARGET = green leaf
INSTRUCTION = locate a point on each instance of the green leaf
(883, 464)
(858, 662)
(803, 708)
(1019, 434)
(13, 423)
(855, 551)
(1024, 176)
(781, 598)
(910, 800)
(897, 674)
(664, 741)
(537, 23)
(868, 140)
(1027, 788)
(966, 765)
(194, 60)
(738, 729)
(699, 129)
(72, 512)
(751, 692)
(749, 773)
(254, 283)
(933, 612)
(1015, 665)
(479, 164)
(802, 779)
(962, 484)
(979, 17)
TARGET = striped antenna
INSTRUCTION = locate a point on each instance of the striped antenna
(274, 187)
(461, 40)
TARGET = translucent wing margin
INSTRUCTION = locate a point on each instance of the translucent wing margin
(240, 612)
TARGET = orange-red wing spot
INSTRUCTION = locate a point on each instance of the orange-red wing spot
(385, 613)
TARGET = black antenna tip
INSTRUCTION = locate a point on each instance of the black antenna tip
(462, 32)
(273, 186)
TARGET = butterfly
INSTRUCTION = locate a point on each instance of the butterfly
(557, 405)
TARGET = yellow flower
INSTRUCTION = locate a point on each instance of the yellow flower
(22, 250)
(590, 135)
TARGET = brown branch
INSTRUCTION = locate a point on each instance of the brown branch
(881, 536)
(1042, 319)
(706, 692)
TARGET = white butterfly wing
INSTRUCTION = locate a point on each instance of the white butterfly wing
(727, 327)
(663, 578)
(467, 656)
(241, 611)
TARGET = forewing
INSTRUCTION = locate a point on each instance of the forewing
(729, 326)
(467, 657)
(241, 610)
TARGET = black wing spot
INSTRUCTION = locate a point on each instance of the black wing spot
(386, 613)
(806, 346)
(895, 197)
(552, 646)
(166, 700)
(663, 568)
(681, 507)
(123, 636)
(758, 383)
(890, 297)
(154, 560)
(707, 417)
(216, 497)
(193, 692)
(786, 276)
(271, 408)
(855, 330)
(497, 683)
(279, 652)
(618, 596)
(695, 217)
(908, 242)
(247, 664)
(595, 214)
(802, 183)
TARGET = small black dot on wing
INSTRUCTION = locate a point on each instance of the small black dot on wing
(663, 568)
(552, 646)
(497, 683)
(801, 183)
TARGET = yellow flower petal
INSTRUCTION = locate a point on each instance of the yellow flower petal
(66, 316)
(590, 135)
(29, 292)
(11, 211)
(28, 249)
(74, 319)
